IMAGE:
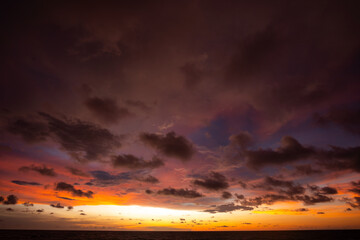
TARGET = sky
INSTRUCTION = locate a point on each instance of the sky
(180, 115)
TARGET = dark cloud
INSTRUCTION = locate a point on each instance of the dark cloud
(40, 210)
(83, 140)
(66, 198)
(30, 131)
(10, 210)
(148, 191)
(62, 186)
(242, 184)
(148, 179)
(335, 158)
(289, 151)
(356, 188)
(83, 214)
(77, 172)
(215, 181)
(311, 200)
(328, 190)
(43, 170)
(28, 204)
(228, 208)
(11, 199)
(320, 213)
(346, 118)
(283, 186)
(243, 140)
(239, 196)
(226, 195)
(338, 158)
(355, 202)
(192, 73)
(185, 193)
(105, 179)
(132, 162)
(70, 208)
(24, 183)
(106, 109)
(1, 199)
(268, 199)
(170, 145)
(301, 210)
(58, 205)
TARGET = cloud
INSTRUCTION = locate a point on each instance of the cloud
(43, 170)
(356, 186)
(77, 172)
(148, 191)
(243, 184)
(148, 179)
(10, 210)
(24, 183)
(287, 187)
(30, 131)
(335, 158)
(28, 204)
(84, 141)
(132, 162)
(226, 195)
(228, 208)
(1, 199)
(338, 158)
(105, 179)
(11, 199)
(354, 203)
(185, 193)
(62, 186)
(311, 200)
(346, 118)
(301, 210)
(289, 151)
(328, 190)
(268, 199)
(106, 109)
(243, 140)
(215, 181)
(320, 213)
(239, 196)
(40, 210)
(66, 198)
(58, 205)
(170, 145)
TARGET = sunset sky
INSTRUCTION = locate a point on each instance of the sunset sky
(180, 115)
